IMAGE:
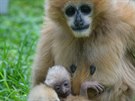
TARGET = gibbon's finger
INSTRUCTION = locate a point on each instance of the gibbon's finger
(102, 88)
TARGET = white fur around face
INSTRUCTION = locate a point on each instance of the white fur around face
(87, 19)
(83, 33)
(56, 74)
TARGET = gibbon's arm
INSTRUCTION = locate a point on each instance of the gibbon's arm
(129, 29)
(131, 22)
(128, 20)
(43, 58)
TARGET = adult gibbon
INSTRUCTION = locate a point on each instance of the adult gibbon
(101, 32)
(59, 79)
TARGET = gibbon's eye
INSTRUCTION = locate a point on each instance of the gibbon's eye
(57, 88)
(73, 68)
(86, 9)
(92, 69)
(66, 84)
(70, 11)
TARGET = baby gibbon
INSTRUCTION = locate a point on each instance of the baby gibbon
(99, 32)
(59, 79)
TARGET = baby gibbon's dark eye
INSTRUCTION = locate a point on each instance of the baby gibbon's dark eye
(70, 11)
(73, 68)
(66, 84)
(86, 9)
(57, 88)
(92, 69)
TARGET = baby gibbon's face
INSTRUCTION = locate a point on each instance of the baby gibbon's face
(75, 14)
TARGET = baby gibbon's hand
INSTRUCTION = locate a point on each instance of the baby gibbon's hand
(91, 89)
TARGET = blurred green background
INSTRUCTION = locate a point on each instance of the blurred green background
(19, 31)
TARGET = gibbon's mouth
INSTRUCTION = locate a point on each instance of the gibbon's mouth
(64, 95)
(80, 28)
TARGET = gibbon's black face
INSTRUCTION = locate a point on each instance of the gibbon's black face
(63, 89)
(79, 18)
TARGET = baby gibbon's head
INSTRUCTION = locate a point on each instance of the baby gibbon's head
(58, 78)
(75, 16)
(57, 74)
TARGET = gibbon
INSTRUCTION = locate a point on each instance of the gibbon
(100, 32)
(59, 79)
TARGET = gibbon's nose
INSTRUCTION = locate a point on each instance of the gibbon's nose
(78, 21)
(64, 93)
(64, 90)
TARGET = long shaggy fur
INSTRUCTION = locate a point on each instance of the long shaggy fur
(108, 47)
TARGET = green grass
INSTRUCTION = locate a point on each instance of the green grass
(19, 31)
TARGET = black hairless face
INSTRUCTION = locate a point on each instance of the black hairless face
(63, 89)
(92, 69)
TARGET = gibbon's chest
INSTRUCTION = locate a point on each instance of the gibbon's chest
(68, 52)
(106, 57)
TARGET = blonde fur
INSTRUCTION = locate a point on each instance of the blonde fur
(76, 98)
(42, 93)
(109, 46)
